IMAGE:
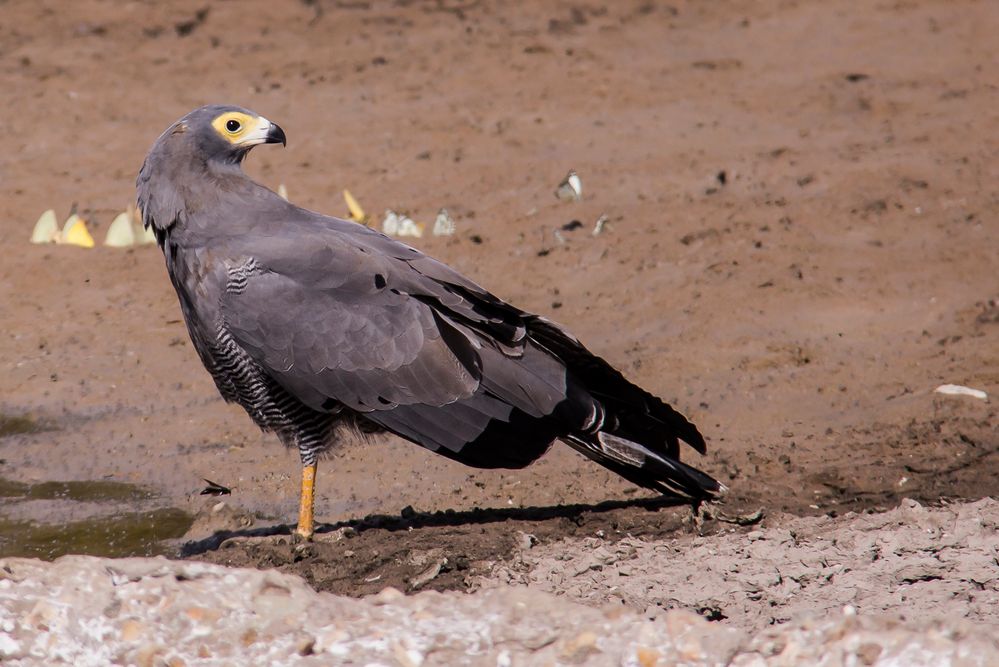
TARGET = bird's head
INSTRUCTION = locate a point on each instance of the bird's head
(223, 133)
(213, 138)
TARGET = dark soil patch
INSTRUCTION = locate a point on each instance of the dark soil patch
(438, 550)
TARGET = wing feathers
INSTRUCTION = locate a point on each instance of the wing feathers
(366, 354)
(426, 354)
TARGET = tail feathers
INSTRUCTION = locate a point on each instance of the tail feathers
(646, 468)
(639, 414)
(661, 432)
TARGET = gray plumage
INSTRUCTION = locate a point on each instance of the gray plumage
(311, 322)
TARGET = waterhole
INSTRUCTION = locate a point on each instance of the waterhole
(128, 532)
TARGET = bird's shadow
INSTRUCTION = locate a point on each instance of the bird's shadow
(447, 518)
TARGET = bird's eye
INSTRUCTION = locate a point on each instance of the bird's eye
(232, 125)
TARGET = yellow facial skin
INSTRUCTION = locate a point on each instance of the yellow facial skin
(241, 129)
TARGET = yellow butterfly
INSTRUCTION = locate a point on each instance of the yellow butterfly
(75, 232)
(357, 213)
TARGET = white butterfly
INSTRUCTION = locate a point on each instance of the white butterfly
(397, 224)
(601, 224)
(46, 229)
(121, 232)
(571, 188)
(444, 224)
(127, 230)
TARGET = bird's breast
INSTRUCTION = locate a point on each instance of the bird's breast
(199, 278)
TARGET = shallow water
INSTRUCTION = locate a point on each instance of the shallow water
(119, 534)
(18, 424)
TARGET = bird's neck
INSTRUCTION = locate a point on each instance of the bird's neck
(176, 200)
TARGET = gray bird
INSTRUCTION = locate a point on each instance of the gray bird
(314, 323)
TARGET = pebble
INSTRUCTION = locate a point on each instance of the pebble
(580, 647)
(388, 595)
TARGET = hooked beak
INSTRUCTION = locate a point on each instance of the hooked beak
(265, 132)
(275, 135)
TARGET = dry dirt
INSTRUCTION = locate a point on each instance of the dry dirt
(802, 245)
(93, 612)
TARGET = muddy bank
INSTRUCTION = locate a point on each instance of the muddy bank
(912, 563)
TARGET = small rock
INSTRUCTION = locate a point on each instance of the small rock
(388, 595)
(305, 645)
(202, 614)
(869, 653)
(132, 630)
(428, 575)
(580, 647)
(406, 656)
(647, 657)
(148, 654)
(9, 648)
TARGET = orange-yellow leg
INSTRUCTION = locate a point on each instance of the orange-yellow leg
(305, 509)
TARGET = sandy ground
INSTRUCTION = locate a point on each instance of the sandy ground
(802, 245)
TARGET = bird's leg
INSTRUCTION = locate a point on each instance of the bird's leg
(308, 502)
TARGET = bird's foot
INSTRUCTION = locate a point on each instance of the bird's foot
(306, 523)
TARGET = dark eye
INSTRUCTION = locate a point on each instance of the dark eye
(232, 125)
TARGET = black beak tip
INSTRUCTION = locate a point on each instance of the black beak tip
(275, 135)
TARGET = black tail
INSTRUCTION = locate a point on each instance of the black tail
(639, 465)
(635, 434)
